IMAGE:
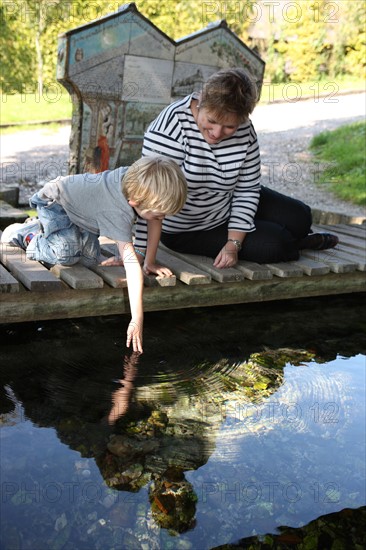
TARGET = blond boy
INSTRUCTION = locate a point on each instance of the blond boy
(73, 211)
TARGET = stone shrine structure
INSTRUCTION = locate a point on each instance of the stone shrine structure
(121, 71)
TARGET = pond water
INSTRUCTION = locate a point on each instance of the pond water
(239, 427)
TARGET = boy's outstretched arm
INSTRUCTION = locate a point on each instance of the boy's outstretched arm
(135, 285)
(153, 238)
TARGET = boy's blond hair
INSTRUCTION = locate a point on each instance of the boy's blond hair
(156, 183)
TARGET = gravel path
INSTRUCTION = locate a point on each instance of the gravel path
(284, 131)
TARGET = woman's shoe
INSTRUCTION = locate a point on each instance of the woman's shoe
(319, 241)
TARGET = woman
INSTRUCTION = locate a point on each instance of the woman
(228, 215)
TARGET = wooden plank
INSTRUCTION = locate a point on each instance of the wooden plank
(353, 241)
(332, 259)
(230, 275)
(149, 280)
(180, 268)
(31, 306)
(351, 230)
(9, 193)
(31, 274)
(285, 269)
(113, 275)
(360, 254)
(185, 272)
(253, 271)
(349, 250)
(7, 282)
(68, 304)
(156, 280)
(346, 229)
(109, 249)
(77, 276)
(351, 255)
(188, 268)
(311, 267)
(9, 214)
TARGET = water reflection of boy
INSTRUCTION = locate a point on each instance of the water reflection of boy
(121, 398)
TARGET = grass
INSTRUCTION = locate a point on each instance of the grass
(343, 150)
(17, 108)
(50, 128)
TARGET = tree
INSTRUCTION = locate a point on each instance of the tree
(181, 18)
(303, 42)
(16, 54)
(349, 50)
(30, 59)
(308, 39)
(313, 37)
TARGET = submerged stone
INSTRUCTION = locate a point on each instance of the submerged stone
(122, 445)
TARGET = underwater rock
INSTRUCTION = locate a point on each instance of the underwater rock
(60, 539)
(122, 445)
(133, 472)
(10, 538)
(173, 505)
(61, 522)
(158, 419)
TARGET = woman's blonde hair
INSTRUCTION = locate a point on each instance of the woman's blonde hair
(156, 183)
(230, 91)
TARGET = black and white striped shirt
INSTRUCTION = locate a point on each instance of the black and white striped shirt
(223, 179)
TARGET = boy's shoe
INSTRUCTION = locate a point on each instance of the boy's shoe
(21, 234)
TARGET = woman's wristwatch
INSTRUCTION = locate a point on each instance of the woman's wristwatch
(236, 242)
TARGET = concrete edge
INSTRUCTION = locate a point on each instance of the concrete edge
(333, 218)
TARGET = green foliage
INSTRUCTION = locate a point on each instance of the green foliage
(303, 41)
(16, 55)
(344, 151)
(312, 39)
(181, 18)
(30, 58)
(275, 64)
(349, 51)
(173, 18)
(322, 37)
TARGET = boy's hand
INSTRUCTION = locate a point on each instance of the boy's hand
(157, 269)
(117, 260)
(114, 260)
(134, 335)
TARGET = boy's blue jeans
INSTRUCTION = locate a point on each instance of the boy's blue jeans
(61, 241)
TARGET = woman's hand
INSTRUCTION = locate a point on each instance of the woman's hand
(227, 257)
(157, 269)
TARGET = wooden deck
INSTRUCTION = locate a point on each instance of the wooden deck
(30, 292)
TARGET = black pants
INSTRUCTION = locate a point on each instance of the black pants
(281, 222)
